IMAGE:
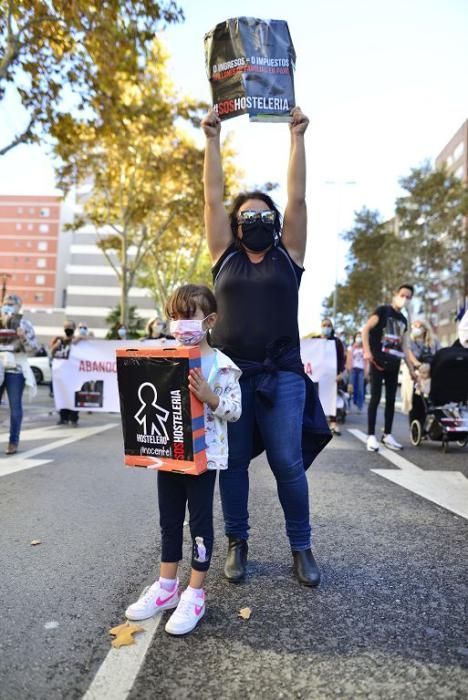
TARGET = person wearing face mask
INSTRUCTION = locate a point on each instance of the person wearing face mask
(385, 343)
(155, 330)
(357, 370)
(17, 341)
(122, 333)
(328, 332)
(258, 265)
(60, 349)
(424, 345)
(192, 310)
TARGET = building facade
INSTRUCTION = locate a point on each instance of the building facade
(454, 157)
(29, 247)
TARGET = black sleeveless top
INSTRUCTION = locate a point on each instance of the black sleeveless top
(257, 302)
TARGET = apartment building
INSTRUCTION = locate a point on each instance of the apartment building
(454, 156)
(29, 247)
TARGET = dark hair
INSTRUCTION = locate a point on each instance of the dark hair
(255, 194)
(184, 301)
(406, 286)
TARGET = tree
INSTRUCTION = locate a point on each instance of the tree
(146, 198)
(432, 217)
(376, 262)
(134, 327)
(51, 47)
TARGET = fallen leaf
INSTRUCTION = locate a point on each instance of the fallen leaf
(245, 613)
(34, 542)
(124, 634)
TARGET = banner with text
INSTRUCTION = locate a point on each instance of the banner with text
(250, 64)
(319, 358)
(87, 380)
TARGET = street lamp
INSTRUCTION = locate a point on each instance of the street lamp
(341, 184)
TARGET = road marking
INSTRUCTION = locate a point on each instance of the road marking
(447, 489)
(118, 672)
(10, 465)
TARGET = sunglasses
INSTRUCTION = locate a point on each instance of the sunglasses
(249, 216)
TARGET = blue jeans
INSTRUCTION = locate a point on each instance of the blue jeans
(281, 429)
(357, 380)
(14, 385)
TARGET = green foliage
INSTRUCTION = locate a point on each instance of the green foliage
(135, 324)
(49, 46)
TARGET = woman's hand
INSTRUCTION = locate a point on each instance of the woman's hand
(202, 390)
(211, 125)
(299, 121)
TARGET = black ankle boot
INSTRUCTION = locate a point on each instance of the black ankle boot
(305, 568)
(236, 560)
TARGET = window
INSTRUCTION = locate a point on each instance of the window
(30, 227)
(43, 228)
(459, 172)
(41, 262)
(29, 244)
(45, 211)
(26, 278)
(458, 152)
(18, 244)
(31, 210)
(18, 227)
(20, 210)
(40, 279)
(38, 297)
(42, 246)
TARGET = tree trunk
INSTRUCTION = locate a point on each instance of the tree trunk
(124, 282)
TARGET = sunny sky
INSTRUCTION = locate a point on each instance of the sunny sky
(384, 85)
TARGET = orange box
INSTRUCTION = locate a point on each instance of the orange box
(163, 423)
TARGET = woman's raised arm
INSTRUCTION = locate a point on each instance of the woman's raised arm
(295, 216)
(218, 229)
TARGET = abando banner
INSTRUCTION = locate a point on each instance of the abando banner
(250, 64)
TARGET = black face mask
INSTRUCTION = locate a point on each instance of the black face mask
(258, 236)
(69, 332)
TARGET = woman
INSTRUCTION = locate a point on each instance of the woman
(154, 330)
(356, 366)
(424, 345)
(328, 332)
(257, 272)
(17, 340)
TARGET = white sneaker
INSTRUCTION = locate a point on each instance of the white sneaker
(390, 442)
(187, 614)
(372, 444)
(154, 599)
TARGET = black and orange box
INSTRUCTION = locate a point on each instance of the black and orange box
(163, 423)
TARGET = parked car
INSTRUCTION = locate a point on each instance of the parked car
(40, 365)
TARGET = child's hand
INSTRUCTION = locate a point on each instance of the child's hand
(202, 390)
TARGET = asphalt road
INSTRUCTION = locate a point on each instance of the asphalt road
(388, 621)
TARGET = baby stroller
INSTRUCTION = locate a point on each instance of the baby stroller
(442, 416)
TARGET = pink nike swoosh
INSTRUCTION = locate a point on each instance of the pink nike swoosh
(198, 609)
(161, 602)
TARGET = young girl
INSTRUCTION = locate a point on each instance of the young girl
(192, 310)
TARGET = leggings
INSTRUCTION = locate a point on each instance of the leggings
(175, 491)
(377, 377)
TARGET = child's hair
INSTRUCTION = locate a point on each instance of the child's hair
(184, 301)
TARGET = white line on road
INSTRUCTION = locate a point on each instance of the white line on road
(448, 489)
(23, 460)
(116, 675)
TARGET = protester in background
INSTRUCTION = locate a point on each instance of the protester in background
(60, 350)
(385, 342)
(462, 340)
(83, 332)
(356, 366)
(122, 332)
(424, 345)
(328, 332)
(258, 265)
(17, 340)
(155, 330)
(192, 310)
